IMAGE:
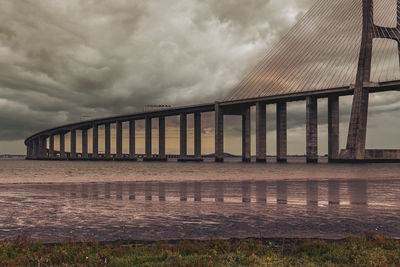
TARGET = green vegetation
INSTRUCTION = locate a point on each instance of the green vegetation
(369, 251)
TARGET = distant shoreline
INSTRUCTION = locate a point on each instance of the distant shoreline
(10, 156)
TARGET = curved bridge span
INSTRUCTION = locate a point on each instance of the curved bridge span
(40, 146)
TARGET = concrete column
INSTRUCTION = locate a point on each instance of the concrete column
(42, 147)
(312, 129)
(183, 136)
(359, 113)
(73, 144)
(95, 141)
(35, 148)
(62, 145)
(148, 137)
(119, 139)
(358, 125)
(51, 146)
(281, 132)
(261, 132)
(333, 127)
(107, 137)
(219, 133)
(29, 150)
(85, 144)
(246, 135)
(32, 148)
(161, 137)
(132, 136)
(197, 135)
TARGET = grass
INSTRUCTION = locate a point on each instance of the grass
(368, 251)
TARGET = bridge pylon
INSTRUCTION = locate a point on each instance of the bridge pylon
(356, 140)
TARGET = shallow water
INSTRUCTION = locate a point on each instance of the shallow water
(54, 201)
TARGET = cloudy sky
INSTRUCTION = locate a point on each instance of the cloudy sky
(60, 60)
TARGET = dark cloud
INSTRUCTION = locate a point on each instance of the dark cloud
(63, 59)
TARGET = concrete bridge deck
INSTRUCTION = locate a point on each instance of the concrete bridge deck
(38, 148)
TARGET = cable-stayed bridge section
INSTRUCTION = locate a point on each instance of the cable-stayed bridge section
(342, 47)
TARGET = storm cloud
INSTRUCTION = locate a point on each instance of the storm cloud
(60, 60)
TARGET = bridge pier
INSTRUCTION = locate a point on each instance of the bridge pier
(85, 154)
(73, 144)
(42, 147)
(29, 150)
(148, 136)
(281, 132)
(95, 141)
(183, 137)
(246, 135)
(36, 148)
(132, 141)
(261, 132)
(219, 133)
(161, 138)
(148, 140)
(197, 138)
(333, 127)
(312, 130)
(107, 141)
(62, 146)
(119, 139)
(197, 135)
(51, 147)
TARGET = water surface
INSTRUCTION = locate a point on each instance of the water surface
(54, 201)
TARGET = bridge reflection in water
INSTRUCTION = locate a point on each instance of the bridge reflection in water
(200, 209)
(282, 192)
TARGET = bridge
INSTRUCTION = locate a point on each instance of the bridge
(313, 193)
(339, 48)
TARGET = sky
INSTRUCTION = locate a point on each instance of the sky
(61, 61)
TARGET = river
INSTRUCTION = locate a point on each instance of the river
(105, 201)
